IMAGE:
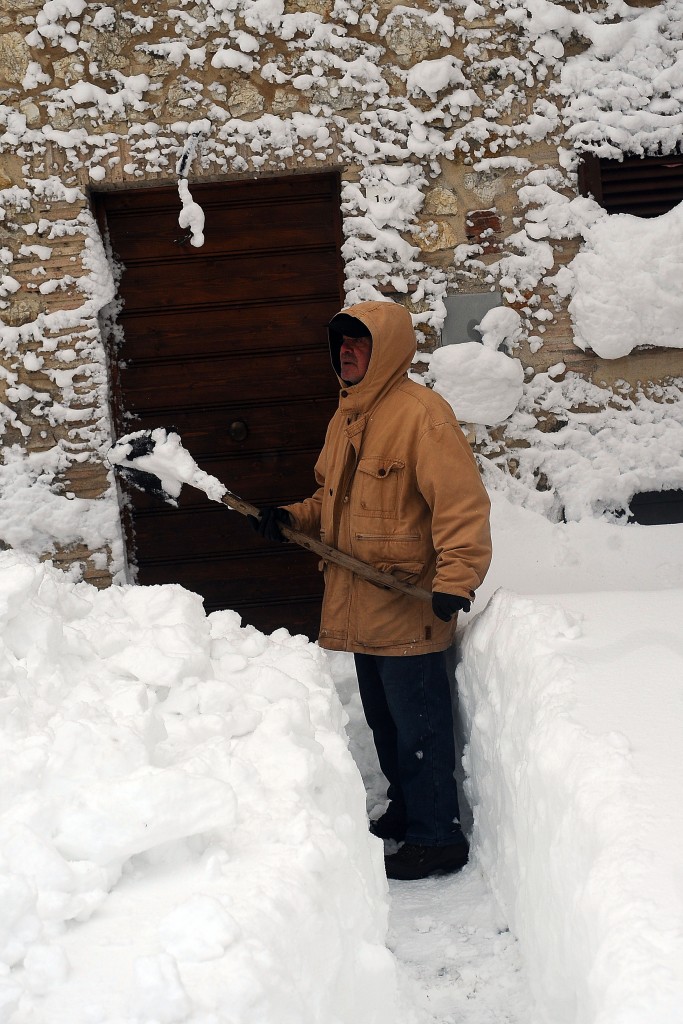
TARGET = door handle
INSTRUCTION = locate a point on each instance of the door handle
(238, 430)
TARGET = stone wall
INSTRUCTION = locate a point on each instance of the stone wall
(435, 114)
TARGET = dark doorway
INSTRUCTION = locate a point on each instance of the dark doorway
(227, 343)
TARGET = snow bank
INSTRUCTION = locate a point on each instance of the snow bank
(531, 555)
(575, 713)
(183, 829)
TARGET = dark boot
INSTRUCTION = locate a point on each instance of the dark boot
(421, 861)
(389, 826)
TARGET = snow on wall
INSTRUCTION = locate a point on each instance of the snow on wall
(583, 450)
(417, 108)
(575, 779)
(482, 385)
(428, 110)
(53, 381)
(626, 288)
(183, 828)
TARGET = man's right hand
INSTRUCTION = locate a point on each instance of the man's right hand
(272, 519)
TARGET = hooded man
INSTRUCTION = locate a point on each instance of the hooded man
(398, 487)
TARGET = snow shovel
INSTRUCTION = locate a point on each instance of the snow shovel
(156, 462)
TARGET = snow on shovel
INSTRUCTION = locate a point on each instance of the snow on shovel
(156, 462)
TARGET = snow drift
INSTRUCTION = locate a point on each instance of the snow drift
(183, 832)
(574, 710)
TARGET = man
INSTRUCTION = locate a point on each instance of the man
(398, 487)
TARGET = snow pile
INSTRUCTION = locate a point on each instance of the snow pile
(532, 555)
(501, 327)
(482, 385)
(183, 829)
(627, 284)
(575, 717)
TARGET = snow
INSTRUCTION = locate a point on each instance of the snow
(35, 517)
(482, 385)
(191, 216)
(183, 828)
(185, 834)
(583, 451)
(626, 289)
(575, 711)
(167, 459)
(433, 76)
(500, 327)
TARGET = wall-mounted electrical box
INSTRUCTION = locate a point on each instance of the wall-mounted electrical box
(464, 312)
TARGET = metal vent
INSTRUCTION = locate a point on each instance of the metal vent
(643, 186)
(654, 508)
(464, 313)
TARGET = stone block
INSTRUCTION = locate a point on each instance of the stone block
(285, 101)
(486, 185)
(441, 202)
(245, 100)
(435, 235)
(31, 112)
(412, 39)
(15, 57)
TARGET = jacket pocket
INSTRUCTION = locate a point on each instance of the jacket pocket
(387, 548)
(385, 618)
(379, 486)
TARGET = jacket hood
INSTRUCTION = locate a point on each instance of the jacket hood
(393, 350)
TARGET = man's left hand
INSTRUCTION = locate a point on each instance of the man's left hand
(445, 606)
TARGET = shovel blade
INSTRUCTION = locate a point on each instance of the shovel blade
(137, 445)
(146, 482)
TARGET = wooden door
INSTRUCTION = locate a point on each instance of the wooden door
(228, 343)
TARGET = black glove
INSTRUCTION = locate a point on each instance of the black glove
(272, 518)
(445, 606)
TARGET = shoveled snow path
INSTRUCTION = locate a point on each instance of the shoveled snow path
(460, 964)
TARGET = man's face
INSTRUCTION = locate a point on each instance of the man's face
(354, 357)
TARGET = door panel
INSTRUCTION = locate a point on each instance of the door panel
(239, 278)
(160, 332)
(195, 382)
(227, 343)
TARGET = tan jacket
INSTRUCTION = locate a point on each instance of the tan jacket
(398, 488)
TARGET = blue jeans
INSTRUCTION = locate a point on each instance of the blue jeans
(407, 704)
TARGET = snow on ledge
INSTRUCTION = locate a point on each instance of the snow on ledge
(183, 833)
(574, 712)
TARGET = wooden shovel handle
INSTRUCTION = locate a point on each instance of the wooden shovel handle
(330, 554)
